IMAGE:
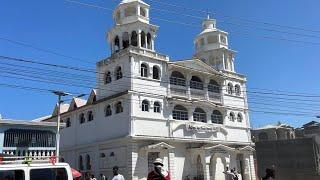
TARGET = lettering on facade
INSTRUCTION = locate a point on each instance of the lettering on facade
(197, 128)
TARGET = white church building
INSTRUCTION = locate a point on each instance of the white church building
(191, 113)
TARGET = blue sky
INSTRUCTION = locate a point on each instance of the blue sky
(80, 32)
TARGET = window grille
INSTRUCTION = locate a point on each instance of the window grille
(108, 111)
(180, 113)
(216, 117)
(196, 85)
(177, 81)
(145, 105)
(156, 107)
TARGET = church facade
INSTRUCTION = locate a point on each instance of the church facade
(191, 113)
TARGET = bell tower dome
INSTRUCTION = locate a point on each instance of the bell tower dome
(212, 46)
(132, 27)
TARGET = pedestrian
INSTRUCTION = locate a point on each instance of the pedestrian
(270, 174)
(159, 173)
(116, 175)
(92, 177)
(235, 174)
(102, 177)
(228, 174)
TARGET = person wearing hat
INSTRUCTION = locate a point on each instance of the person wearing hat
(159, 173)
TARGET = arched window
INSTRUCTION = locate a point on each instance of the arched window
(90, 116)
(130, 11)
(237, 90)
(144, 70)
(143, 12)
(216, 117)
(108, 111)
(82, 118)
(263, 136)
(143, 39)
(118, 73)
(232, 117)
(68, 123)
(88, 162)
(149, 41)
(80, 163)
(199, 115)
(155, 72)
(119, 108)
(177, 79)
(239, 117)
(156, 107)
(213, 86)
(116, 44)
(108, 78)
(196, 83)
(134, 38)
(230, 88)
(145, 105)
(125, 40)
(180, 113)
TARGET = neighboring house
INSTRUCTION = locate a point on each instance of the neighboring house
(191, 113)
(309, 130)
(293, 158)
(273, 133)
(27, 138)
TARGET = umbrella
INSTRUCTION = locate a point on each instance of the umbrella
(75, 173)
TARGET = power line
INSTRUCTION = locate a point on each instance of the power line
(249, 35)
(44, 50)
(89, 71)
(233, 17)
(78, 85)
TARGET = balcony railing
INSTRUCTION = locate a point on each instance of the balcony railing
(178, 92)
(197, 94)
(214, 96)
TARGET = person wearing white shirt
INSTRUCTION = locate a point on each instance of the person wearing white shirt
(116, 175)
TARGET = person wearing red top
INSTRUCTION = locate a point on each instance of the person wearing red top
(159, 173)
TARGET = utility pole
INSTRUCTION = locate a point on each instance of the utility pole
(59, 94)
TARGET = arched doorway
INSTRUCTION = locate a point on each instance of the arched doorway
(218, 166)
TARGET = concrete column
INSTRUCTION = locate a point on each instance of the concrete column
(152, 44)
(171, 164)
(190, 113)
(138, 9)
(139, 38)
(206, 83)
(188, 86)
(247, 170)
(147, 12)
(252, 167)
(145, 39)
(132, 156)
(206, 173)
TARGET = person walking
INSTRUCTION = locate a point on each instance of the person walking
(159, 173)
(92, 177)
(116, 175)
(228, 174)
(102, 177)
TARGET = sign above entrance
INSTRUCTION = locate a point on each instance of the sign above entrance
(201, 128)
